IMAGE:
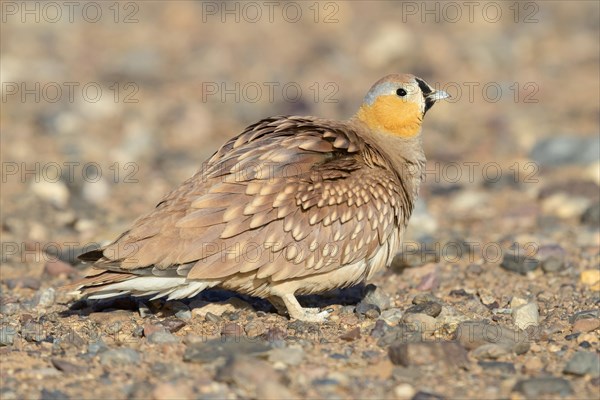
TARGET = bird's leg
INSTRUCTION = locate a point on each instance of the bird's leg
(296, 311)
(278, 304)
(282, 309)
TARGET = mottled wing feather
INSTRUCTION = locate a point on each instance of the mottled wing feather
(287, 198)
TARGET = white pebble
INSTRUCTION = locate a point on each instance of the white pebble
(526, 316)
(55, 193)
(404, 391)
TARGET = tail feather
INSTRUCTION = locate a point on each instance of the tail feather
(106, 284)
(96, 278)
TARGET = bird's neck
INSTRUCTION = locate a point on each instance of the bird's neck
(404, 152)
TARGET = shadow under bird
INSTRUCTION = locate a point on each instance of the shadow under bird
(292, 205)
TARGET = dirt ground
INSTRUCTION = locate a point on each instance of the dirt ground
(495, 293)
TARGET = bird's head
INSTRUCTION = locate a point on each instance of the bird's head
(397, 103)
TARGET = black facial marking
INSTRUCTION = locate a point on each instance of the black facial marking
(427, 90)
(428, 104)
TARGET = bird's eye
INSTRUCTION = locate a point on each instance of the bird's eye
(401, 92)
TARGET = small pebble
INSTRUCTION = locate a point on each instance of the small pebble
(504, 367)
(591, 216)
(254, 328)
(287, 356)
(372, 313)
(552, 258)
(138, 331)
(7, 336)
(460, 293)
(474, 269)
(246, 372)
(404, 391)
(123, 356)
(274, 335)
(379, 329)
(420, 322)
(517, 302)
(421, 395)
(582, 363)
(232, 329)
(375, 295)
(171, 391)
(430, 281)
(114, 327)
(392, 316)
(207, 351)
(33, 332)
(46, 298)
(273, 389)
(591, 278)
(487, 298)
(55, 193)
(231, 315)
(586, 325)
(535, 388)
(201, 308)
(427, 396)
(53, 395)
(26, 282)
(162, 337)
(362, 308)
(144, 310)
(58, 267)
(96, 347)
(526, 316)
(347, 310)
(450, 354)
(215, 319)
(518, 262)
(564, 205)
(371, 356)
(565, 150)
(473, 334)
(149, 329)
(173, 324)
(425, 297)
(430, 308)
(588, 337)
(185, 315)
(9, 309)
(66, 366)
(179, 309)
(25, 318)
(595, 313)
(490, 351)
(351, 335)
(534, 364)
(338, 356)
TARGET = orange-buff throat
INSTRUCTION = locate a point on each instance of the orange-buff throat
(393, 115)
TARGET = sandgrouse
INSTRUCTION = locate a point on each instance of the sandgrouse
(292, 205)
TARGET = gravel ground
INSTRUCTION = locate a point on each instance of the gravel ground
(496, 292)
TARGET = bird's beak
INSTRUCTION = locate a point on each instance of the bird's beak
(438, 95)
(434, 96)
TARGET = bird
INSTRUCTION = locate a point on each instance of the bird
(293, 205)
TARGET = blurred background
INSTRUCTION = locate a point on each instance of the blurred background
(106, 106)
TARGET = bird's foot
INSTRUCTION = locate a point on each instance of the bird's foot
(296, 311)
(311, 315)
